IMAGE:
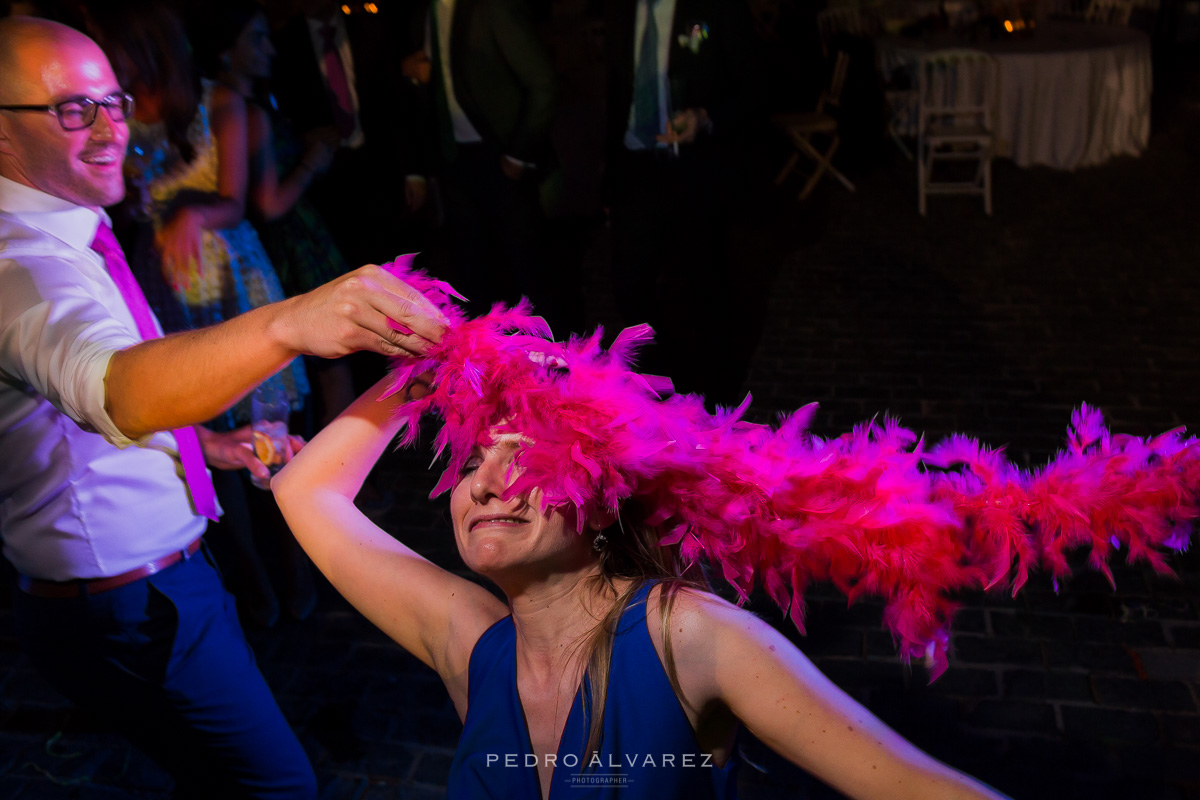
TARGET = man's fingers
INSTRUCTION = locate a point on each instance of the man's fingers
(244, 434)
(257, 468)
(369, 309)
(417, 315)
(398, 287)
(241, 455)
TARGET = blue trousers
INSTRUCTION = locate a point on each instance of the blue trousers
(164, 661)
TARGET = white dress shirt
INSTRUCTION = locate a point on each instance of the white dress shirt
(464, 131)
(664, 19)
(342, 42)
(76, 501)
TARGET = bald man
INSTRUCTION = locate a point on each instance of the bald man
(103, 484)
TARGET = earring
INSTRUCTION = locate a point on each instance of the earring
(599, 542)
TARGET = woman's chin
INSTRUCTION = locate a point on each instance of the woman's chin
(491, 559)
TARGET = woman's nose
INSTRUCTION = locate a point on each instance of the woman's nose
(489, 480)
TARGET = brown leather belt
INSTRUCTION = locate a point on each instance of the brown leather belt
(41, 588)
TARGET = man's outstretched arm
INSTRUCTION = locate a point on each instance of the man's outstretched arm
(190, 377)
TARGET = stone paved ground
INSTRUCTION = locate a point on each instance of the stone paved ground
(1082, 287)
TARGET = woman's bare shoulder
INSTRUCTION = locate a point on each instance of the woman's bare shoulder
(699, 620)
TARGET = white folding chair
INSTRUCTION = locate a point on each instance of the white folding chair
(957, 92)
(802, 127)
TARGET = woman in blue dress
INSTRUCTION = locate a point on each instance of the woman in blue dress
(606, 670)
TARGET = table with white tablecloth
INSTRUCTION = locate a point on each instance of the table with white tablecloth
(1069, 95)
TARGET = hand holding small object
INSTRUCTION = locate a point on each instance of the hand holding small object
(233, 450)
(685, 126)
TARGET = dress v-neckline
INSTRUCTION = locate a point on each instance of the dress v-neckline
(576, 704)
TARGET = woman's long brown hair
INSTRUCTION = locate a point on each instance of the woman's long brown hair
(630, 553)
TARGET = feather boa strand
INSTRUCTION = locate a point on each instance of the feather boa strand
(873, 511)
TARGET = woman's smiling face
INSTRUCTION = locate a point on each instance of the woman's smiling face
(496, 537)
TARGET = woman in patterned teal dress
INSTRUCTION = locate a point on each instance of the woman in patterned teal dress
(233, 44)
(193, 184)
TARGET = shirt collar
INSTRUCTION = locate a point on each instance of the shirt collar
(72, 224)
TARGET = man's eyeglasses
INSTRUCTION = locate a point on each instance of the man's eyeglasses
(80, 112)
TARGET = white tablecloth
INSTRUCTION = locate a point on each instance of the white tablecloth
(1072, 95)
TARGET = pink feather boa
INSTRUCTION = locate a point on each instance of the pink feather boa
(871, 511)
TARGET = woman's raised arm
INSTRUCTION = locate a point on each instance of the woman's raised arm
(271, 195)
(434, 614)
(727, 653)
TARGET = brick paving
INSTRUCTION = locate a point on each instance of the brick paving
(1082, 287)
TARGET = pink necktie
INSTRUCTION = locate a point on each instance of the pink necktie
(339, 84)
(199, 484)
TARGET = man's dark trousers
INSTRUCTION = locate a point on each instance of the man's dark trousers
(163, 661)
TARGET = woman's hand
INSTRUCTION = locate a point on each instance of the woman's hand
(318, 155)
(179, 242)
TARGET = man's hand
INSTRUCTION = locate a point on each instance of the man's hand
(179, 241)
(512, 169)
(235, 450)
(415, 189)
(352, 313)
(416, 67)
(685, 126)
(192, 376)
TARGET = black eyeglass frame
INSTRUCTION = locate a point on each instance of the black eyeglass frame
(89, 108)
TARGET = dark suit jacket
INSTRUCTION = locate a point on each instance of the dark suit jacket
(390, 107)
(723, 76)
(503, 77)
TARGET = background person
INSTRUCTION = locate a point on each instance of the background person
(487, 128)
(233, 43)
(338, 76)
(684, 82)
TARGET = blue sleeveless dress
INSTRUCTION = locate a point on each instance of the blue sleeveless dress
(649, 751)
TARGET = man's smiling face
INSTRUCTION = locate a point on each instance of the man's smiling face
(48, 64)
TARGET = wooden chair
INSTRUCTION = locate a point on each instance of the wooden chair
(802, 127)
(957, 93)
